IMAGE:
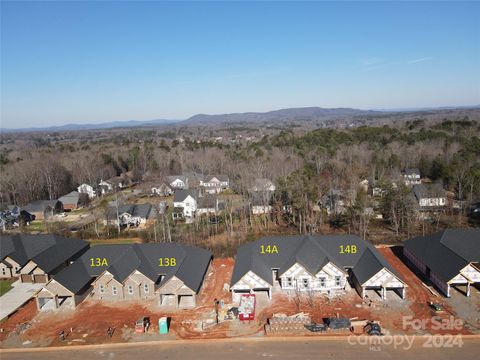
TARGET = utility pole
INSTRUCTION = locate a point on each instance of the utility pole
(118, 220)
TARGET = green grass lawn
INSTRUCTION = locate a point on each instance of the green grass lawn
(6, 285)
(37, 225)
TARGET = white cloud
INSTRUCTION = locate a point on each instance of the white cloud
(419, 60)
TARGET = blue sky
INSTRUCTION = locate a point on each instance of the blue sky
(87, 62)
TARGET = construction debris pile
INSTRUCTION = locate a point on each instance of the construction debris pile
(301, 324)
(281, 323)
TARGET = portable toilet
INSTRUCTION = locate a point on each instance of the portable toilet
(163, 325)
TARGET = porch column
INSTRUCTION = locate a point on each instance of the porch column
(363, 293)
(56, 302)
(468, 288)
(403, 293)
(384, 293)
(448, 290)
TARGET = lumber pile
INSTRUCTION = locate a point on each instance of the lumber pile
(281, 323)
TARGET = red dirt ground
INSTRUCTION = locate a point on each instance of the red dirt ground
(318, 309)
(418, 295)
(24, 315)
(94, 318)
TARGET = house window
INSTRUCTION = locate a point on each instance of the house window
(289, 282)
(114, 290)
(305, 283)
(102, 289)
(323, 282)
(187, 204)
(145, 288)
(337, 280)
(130, 289)
(3, 271)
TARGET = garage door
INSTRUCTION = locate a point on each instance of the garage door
(40, 278)
(26, 278)
(168, 300)
(186, 301)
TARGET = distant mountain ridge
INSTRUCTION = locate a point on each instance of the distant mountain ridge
(105, 125)
(290, 114)
(282, 115)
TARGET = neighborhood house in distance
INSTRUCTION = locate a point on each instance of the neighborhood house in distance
(315, 263)
(171, 273)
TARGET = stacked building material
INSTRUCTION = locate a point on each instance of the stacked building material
(284, 324)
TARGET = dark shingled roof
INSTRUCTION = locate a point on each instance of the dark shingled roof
(412, 171)
(181, 195)
(427, 191)
(448, 251)
(207, 202)
(40, 205)
(220, 178)
(70, 199)
(313, 252)
(144, 211)
(46, 250)
(123, 260)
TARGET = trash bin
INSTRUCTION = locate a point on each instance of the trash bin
(163, 325)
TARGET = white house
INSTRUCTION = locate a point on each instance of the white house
(429, 196)
(178, 182)
(187, 201)
(162, 190)
(105, 186)
(86, 189)
(208, 205)
(214, 184)
(260, 203)
(411, 177)
(312, 264)
(263, 185)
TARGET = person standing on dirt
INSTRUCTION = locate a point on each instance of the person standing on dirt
(62, 335)
(216, 309)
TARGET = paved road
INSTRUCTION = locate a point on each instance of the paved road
(16, 297)
(251, 349)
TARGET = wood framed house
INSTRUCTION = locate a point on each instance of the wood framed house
(36, 258)
(312, 264)
(131, 272)
(449, 258)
